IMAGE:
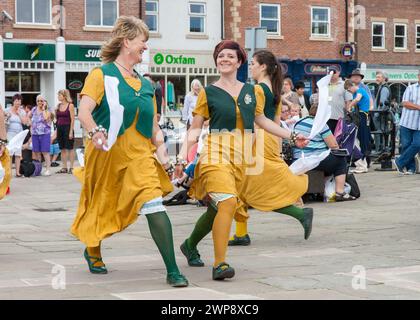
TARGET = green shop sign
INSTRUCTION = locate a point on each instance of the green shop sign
(160, 58)
(394, 75)
(29, 51)
(76, 52)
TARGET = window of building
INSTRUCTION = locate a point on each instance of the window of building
(22, 81)
(33, 11)
(400, 36)
(101, 13)
(321, 22)
(418, 37)
(197, 12)
(270, 18)
(152, 14)
(378, 35)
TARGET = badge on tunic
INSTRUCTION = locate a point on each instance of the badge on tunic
(137, 94)
(247, 99)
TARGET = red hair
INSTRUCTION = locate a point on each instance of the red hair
(232, 45)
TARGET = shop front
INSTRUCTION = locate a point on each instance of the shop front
(310, 71)
(398, 79)
(29, 71)
(175, 70)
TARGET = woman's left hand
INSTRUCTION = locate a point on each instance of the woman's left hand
(71, 135)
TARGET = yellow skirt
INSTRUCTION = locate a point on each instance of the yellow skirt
(218, 169)
(115, 186)
(7, 166)
(276, 186)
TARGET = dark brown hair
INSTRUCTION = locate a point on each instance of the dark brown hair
(232, 45)
(274, 71)
(17, 96)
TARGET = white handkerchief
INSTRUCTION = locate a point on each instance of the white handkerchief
(116, 110)
(305, 164)
(324, 109)
(15, 144)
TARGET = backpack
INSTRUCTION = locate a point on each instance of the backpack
(30, 168)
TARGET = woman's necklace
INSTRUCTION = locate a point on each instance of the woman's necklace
(132, 73)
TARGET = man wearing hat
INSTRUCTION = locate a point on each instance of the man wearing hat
(409, 130)
(338, 97)
(357, 77)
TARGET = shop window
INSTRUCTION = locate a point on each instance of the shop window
(19, 81)
(270, 18)
(101, 13)
(12, 81)
(30, 82)
(74, 83)
(378, 35)
(33, 11)
(197, 12)
(321, 22)
(400, 36)
(152, 15)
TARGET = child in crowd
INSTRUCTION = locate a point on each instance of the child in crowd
(294, 116)
(54, 148)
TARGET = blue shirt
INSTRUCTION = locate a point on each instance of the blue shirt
(410, 119)
(317, 145)
(364, 103)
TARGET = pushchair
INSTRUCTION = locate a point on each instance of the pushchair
(346, 135)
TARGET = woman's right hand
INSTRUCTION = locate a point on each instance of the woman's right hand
(99, 140)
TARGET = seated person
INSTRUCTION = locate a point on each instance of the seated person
(333, 164)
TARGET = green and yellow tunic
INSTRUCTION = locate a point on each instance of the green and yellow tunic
(221, 167)
(117, 183)
(7, 166)
(276, 187)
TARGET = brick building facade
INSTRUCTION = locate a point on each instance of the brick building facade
(387, 34)
(307, 36)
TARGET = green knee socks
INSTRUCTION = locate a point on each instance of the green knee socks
(161, 231)
(202, 227)
(292, 211)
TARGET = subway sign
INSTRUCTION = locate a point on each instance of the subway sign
(160, 58)
(76, 52)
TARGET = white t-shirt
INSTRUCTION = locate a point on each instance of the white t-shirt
(189, 105)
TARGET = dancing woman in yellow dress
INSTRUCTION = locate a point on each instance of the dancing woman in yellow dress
(5, 169)
(122, 177)
(276, 187)
(232, 108)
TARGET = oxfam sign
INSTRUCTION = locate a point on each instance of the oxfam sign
(160, 58)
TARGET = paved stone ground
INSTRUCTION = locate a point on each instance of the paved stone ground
(380, 233)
